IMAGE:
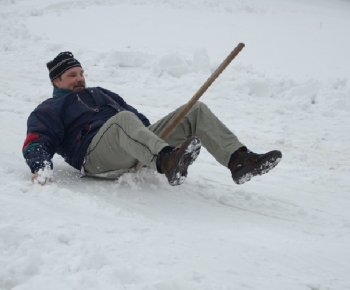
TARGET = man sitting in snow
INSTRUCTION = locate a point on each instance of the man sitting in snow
(96, 131)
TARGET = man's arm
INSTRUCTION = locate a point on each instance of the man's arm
(38, 158)
(44, 133)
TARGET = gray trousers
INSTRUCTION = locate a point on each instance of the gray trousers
(123, 140)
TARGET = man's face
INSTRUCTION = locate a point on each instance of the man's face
(72, 79)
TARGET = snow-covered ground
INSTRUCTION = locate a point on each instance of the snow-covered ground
(289, 89)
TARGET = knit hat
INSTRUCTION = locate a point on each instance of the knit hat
(62, 62)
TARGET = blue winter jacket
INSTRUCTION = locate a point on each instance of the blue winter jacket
(66, 123)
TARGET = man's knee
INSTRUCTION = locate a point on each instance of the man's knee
(125, 116)
(200, 106)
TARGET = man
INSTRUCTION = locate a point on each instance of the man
(96, 131)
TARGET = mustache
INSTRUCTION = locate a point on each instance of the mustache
(80, 84)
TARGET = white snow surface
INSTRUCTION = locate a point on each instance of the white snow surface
(288, 89)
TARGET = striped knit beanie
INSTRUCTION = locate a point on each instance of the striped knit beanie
(61, 63)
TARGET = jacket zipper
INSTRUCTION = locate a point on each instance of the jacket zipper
(80, 100)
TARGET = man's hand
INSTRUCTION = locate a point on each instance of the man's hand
(43, 176)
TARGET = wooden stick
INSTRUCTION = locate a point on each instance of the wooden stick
(183, 112)
(167, 131)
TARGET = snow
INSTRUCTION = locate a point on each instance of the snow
(288, 89)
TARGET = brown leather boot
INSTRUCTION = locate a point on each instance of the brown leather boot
(245, 164)
(173, 162)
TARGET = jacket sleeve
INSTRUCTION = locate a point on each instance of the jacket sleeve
(44, 133)
(126, 106)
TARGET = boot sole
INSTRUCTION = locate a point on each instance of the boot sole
(190, 151)
(260, 168)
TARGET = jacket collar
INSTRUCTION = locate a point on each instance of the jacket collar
(60, 92)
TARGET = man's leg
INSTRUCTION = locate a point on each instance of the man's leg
(123, 141)
(220, 142)
(201, 122)
(120, 143)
